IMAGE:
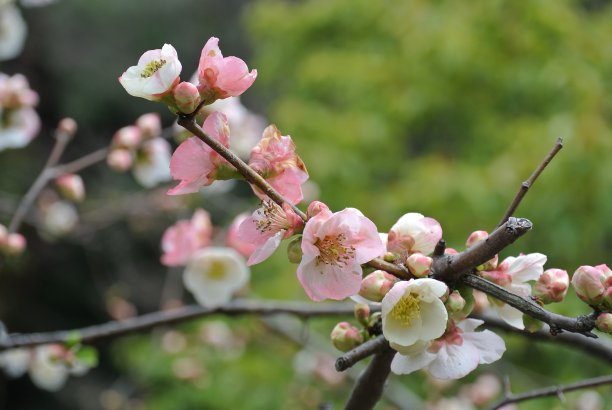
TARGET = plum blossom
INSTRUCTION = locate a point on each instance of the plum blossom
(334, 246)
(267, 227)
(19, 123)
(412, 233)
(222, 77)
(152, 163)
(155, 75)
(195, 163)
(513, 274)
(412, 312)
(185, 237)
(213, 274)
(274, 157)
(452, 356)
(593, 285)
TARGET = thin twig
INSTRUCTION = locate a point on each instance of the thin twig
(370, 385)
(188, 122)
(557, 323)
(529, 183)
(359, 353)
(601, 349)
(149, 320)
(550, 391)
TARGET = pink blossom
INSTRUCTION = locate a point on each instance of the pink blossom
(513, 274)
(274, 157)
(334, 247)
(233, 240)
(458, 352)
(195, 163)
(267, 227)
(222, 77)
(187, 97)
(591, 283)
(551, 286)
(412, 233)
(185, 237)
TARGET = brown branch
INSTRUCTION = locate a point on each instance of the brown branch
(359, 353)
(149, 320)
(397, 270)
(550, 391)
(448, 268)
(529, 183)
(557, 323)
(369, 387)
(601, 349)
(188, 122)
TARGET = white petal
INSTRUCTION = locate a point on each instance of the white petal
(527, 267)
(512, 316)
(428, 289)
(454, 362)
(490, 346)
(433, 317)
(408, 364)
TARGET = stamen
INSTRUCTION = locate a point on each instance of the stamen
(406, 309)
(333, 251)
(216, 271)
(271, 217)
(152, 68)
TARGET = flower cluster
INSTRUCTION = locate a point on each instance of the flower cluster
(19, 122)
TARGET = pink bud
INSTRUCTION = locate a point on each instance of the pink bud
(67, 126)
(13, 245)
(476, 237)
(551, 286)
(604, 322)
(187, 97)
(375, 286)
(499, 277)
(362, 313)
(451, 251)
(127, 137)
(346, 337)
(149, 125)
(455, 302)
(589, 283)
(120, 160)
(71, 187)
(419, 264)
(315, 207)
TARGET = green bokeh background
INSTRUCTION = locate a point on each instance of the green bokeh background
(438, 107)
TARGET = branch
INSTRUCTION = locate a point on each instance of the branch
(370, 385)
(188, 122)
(529, 183)
(557, 323)
(362, 351)
(449, 268)
(149, 320)
(597, 348)
(399, 271)
(551, 391)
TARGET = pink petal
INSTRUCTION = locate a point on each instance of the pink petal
(191, 161)
(216, 126)
(322, 281)
(264, 251)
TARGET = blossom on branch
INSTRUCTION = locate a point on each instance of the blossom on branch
(185, 237)
(155, 75)
(275, 159)
(334, 246)
(19, 123)
(513, 274)
(412, 311)
(452, 356)
(195, 163)
(213, 274)
(152, 162)
(267, 227)
(222, 77)
(593, 285)
(413, 233)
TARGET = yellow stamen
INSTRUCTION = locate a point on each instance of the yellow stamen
(152, 68)
(406, 309)
(216, 271)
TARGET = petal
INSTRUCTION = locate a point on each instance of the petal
(191, 161)
(433, 317)
(216, 126)
(527, 267)
(264, 251)
(428, 289)
(512, 316)
(454, 362)
(408, 364)
(321, 281)
(490, 346)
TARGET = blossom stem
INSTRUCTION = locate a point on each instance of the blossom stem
(551, 391)
(531, 180)
(188, 122)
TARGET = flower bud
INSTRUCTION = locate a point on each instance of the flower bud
(67, 126)
(362, 313)
(532, 325)
(13, 245)
(450, 251)
(551, 286)
(389, 256)
(376, 285)
(127, 137)
(315, 207)
(71, 187)
(455, 302)
(120, 160)
(476, 237)
(149, 125)
(589, 283)
(294, 250)
(187, 97)
(419, 264)
(346, 337)
(604, 322)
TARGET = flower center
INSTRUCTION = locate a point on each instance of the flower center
(334, 251)
(271, 217)
(406, 309)
(216, 271)
(152, 68)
